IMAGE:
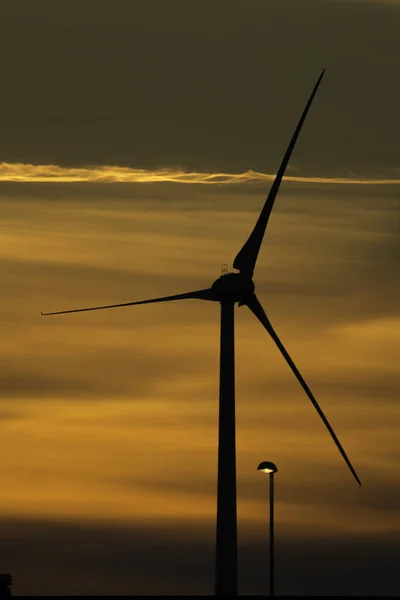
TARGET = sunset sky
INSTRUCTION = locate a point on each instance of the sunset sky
(138, 142)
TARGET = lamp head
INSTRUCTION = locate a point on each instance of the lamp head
(267, 467)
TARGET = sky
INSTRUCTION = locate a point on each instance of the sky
(138, 143)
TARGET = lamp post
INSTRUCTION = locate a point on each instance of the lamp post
(271, 468)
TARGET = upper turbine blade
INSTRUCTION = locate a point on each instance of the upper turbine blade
(258, 310)
(207, 294)
(246, 259)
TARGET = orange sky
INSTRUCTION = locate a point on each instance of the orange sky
(111, 417)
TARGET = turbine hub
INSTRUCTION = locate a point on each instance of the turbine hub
(233, 287)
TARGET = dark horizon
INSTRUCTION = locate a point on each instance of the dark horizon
(106, 550)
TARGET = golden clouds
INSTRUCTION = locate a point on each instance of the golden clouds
(99, 461)
(113, 416)
(19, 172)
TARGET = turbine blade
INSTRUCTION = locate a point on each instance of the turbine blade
(246, 259)
(258, 310)
(207, 294)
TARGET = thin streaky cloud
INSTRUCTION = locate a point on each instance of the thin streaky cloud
(28, 173)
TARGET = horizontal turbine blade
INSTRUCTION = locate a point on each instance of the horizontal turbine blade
(258, 310)
(246, 259)
(207, 294)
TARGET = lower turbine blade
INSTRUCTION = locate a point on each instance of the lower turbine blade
(259, 312)
(207, 294)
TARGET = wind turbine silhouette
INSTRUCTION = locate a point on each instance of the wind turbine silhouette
(227, 290)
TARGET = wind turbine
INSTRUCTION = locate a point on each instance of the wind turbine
(231, 288)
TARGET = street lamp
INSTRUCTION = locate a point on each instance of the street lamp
(271, 468)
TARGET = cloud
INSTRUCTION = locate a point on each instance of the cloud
(224, 106)
(18, 172)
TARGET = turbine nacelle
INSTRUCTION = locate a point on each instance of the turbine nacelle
(233, 287)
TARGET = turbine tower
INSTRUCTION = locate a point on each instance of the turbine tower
(229, 289)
